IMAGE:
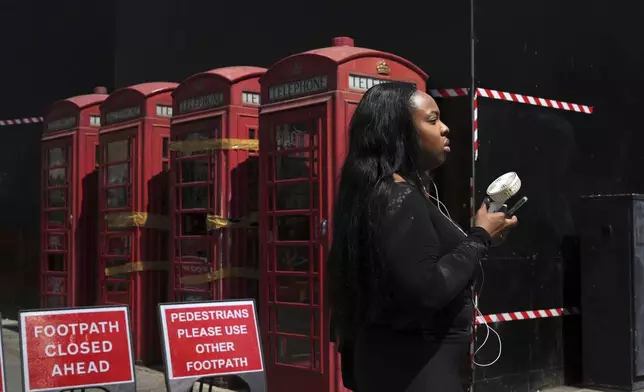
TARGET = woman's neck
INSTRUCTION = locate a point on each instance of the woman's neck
(398, 178)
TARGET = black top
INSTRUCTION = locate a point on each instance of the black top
(429, 266)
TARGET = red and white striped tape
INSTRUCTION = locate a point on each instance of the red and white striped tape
(475, 126)
(21, 121)
(526, 315)
(529, 100)
(449, 92)
(512, 97)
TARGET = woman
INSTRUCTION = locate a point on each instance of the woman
(400, 269)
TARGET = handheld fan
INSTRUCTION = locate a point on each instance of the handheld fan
(502, 189)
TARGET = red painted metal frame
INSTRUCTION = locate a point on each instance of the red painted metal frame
(329, 105)
(71, 125)
(147, 191)
(200, 256)
(231, 182)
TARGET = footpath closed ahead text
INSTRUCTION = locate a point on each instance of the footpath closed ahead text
(82, 348)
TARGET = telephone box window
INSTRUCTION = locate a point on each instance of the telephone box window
(164, 111)
(293, 320)
(120, 245)
(194, 197)
(294, 228)
(55, 262)
(293, 196)
(118, 174)
(56, 218)
(55, 241)
(56, 284)
(117, 197)
(294, 351)
(57, 177)
(117, 262)
(295, 135)
(292, 258)
(293, 165)
(190, 269)
(194, 297)
(118, 151)
(56, 198)
(196, 136)
(293, 289)
(195, 170)
(193, 255)
(195, 249)
(56, 156)
(117, 285)
(194, 224)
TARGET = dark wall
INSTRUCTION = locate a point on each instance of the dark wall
(50, 50)
(171, 39)
(573, 51)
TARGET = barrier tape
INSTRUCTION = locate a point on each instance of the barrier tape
(189, 146)
(137, 266)
(512, 97)
(526, 315)
(449, 92)
(21, 121)
(233, 272)
(122, 220)
(475, 126)
(216, 222)
(536, 101)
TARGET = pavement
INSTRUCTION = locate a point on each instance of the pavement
(147, 380)
(570, 389)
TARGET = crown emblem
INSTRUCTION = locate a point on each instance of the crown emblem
(383, 68)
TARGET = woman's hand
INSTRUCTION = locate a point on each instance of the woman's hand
(495, 223)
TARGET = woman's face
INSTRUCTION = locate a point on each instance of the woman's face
(432, 131)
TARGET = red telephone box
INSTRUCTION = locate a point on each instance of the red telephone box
(307, 102)
(133, 205)
(214, 176)
(69, 186)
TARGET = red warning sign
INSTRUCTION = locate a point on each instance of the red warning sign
(211, 338)
(75, 348)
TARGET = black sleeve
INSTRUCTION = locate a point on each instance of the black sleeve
(416, 273)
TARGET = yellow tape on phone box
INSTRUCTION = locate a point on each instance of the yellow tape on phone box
(189, 146)
(223, 273)
(137, 266)
(126, 219)
(216, 222)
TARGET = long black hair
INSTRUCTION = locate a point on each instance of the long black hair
(382, 141)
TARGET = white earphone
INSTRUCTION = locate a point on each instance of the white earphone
(475, 301)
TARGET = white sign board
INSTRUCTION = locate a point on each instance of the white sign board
(214, 338)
